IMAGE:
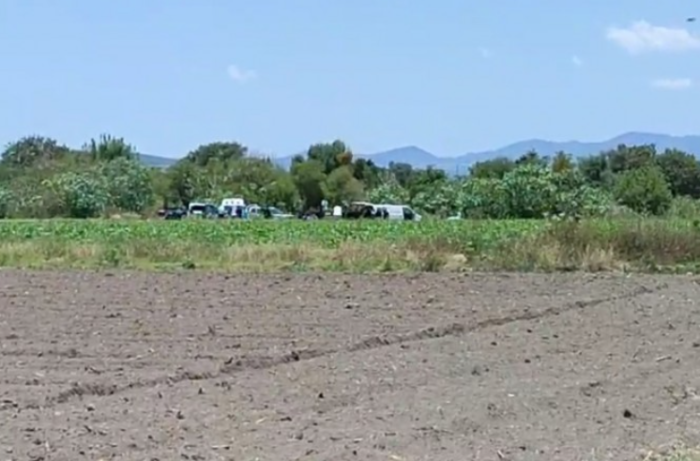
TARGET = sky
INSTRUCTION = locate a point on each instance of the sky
(449, 76)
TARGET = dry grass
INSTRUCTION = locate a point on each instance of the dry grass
(348, 257)
(586, 246)
(675, 452)
(606, 246)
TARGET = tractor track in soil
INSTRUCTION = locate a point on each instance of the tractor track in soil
(129, 365)
(375, 342)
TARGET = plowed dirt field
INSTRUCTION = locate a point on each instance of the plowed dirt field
(136, 366)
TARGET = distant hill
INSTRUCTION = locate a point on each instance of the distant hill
(420, 158)
(460, 164)
(158, 162)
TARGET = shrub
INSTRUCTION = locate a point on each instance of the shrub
(644, 190)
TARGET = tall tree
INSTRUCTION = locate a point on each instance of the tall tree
(33, 151)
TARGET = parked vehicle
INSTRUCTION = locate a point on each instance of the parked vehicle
(233, 207)
(357, 210)
(267, 212)
(401, 212)
(380, 211)
(172, 213)
(202, 210)
(311, 213)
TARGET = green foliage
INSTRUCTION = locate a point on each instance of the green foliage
(562, 162)
(81, 195)
(644, 190)
(388, 192)
(440, 199)
(39, 178)
(33, 151)
(221, 151)
(309, 177)
(128, 184)
(341, 186)
(530, 191)
(684, 207)
(483, 198)
(492, 169)
(331, 156)
(108, 148)
(326, 234)
(682, 171)
(5, 203)
(626, 158)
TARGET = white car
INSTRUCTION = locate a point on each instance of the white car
(400, 212)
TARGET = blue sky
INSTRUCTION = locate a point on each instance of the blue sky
(449, 76)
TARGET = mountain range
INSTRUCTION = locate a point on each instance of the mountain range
(420, 158)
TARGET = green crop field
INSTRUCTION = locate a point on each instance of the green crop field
(325, 234)
(363, 245)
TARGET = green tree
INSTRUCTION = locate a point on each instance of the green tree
(262, 182)
(530, 191)
(682, 171)
(330, 155)
(108, 148)
(367, 173)
(282, 192)
(6, 200)
(481, 198)
(562, 162)
(440, 200)
(162, 189)
(341, 186)
(626, 158)
(403, 172)
(596, 170)
(222, 151)
(644, 190)
(491, 169)
(82, 195)
(531, 157)
(423, 181)
(33, 151)
(309, 177)
(389, 192)
(129, 184)
(187, 182)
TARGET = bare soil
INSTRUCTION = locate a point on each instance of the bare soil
(137, 366)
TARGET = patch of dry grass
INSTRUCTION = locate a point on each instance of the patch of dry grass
(642, 245)
(611, 245)
(347, 257)
(674, 452)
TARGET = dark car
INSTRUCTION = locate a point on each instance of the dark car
(171, 213)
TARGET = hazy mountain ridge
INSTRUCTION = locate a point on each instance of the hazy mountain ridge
(155, 161)
(420, 158)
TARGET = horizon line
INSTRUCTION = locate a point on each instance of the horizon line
(255, 153)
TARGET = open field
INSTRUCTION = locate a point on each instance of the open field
(137, 366)
(354, 246)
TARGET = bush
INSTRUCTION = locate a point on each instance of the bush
(482, 198)
(530, 192)
(81, 195)
(129, 184)
(644, 190)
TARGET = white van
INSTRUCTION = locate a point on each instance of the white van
(400, 212)
(229, 206)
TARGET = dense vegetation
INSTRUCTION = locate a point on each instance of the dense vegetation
(41, 178)
(629, 208)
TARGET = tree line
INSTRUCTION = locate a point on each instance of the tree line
(41, 178)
